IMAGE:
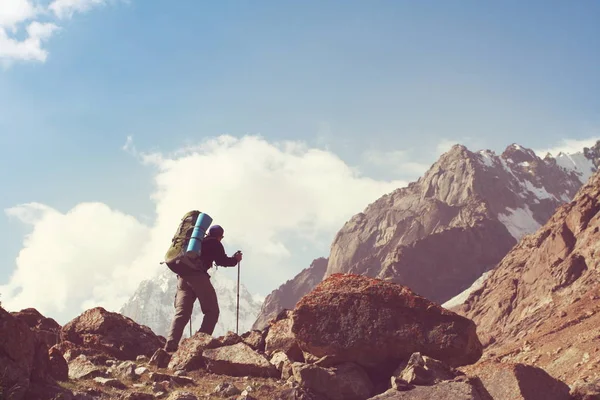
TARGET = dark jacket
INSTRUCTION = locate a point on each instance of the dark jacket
(213, 251)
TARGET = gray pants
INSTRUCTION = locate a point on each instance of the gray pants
(190, 288)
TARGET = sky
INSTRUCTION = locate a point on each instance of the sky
(281, 120)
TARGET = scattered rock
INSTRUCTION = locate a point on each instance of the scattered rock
(255, 339)
(182, 396)
(283, 364)
(158, 377)
(281, 338)
(189, 353)
(454, 390)
(137, 396)
(82, 368)
(59, 369)
(347, 381)
(586, 390)
(238, 360)
(111, 333)
(139, 371)
(111, 382)
(47, 330)
(142, 358)
(229, 339)
(160, 359)
(125, 370)
(422, 370)
(226, 389)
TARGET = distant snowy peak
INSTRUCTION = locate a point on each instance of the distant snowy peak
(578, 163)
(534, 186)
(152, 304)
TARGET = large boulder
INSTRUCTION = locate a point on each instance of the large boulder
(24, 363)
(377, 323)
(459, 389)
(111, 333)
(47, 330)
(17, 354)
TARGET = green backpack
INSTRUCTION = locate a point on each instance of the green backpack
(177, 258)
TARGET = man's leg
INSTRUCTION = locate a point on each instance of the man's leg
(184, 303)
(205, 292)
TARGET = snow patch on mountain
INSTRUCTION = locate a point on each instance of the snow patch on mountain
(519, 222)
(462, 297)
(152, 305)
(578, 163)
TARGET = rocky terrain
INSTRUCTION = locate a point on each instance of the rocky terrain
(541, 304)
(442, 232)
(352, 337)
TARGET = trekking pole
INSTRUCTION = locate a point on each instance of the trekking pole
(190, 326)
(237, 312)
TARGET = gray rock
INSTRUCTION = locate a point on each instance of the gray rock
(586, 390)
(141, 371)
(238, 360)
(160, 359)
(110, 382)
(125, 370)
(81, 368)
(451, 390)
(422, 370)
(347, 381)
(226, 389)
(138, 396)
(182, 396)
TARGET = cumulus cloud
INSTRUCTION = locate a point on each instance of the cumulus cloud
(394, 163)
(72, 261)
(66, 8)
(568, 146)
(281, 203)
(25, 26)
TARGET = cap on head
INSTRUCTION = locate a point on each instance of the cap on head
(215, 231)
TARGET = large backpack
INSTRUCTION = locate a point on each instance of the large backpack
(178, 258)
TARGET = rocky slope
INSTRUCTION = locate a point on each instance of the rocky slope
(352, 338)
(441, 233)
(542, 302)
(152, 304)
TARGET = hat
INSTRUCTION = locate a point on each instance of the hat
(216, 231)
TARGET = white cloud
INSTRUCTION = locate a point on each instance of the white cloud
(568, 146)
(29, 49)
(70, 261)
(25, 26)
(395, 163)
(66, 8)
(273, 199)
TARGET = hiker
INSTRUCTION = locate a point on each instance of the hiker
(196, 285)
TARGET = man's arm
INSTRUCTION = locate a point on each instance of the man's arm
(222, 259)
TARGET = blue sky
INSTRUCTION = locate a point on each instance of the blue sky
(380, 84)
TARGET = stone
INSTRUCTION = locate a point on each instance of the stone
(111, 333)
(454, 390)
(238, 360)
(281, 338)
(377, 324)
(111, 382)
(347, 381)
(82, 368)
(189, 356)
(59, 369)
(160, 359)
(422, 370)
(226, 389)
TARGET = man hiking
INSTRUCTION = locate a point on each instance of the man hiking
(196, 285)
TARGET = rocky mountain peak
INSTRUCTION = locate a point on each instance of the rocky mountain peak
(518, 154)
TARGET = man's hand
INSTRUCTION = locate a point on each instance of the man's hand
(238, 255)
